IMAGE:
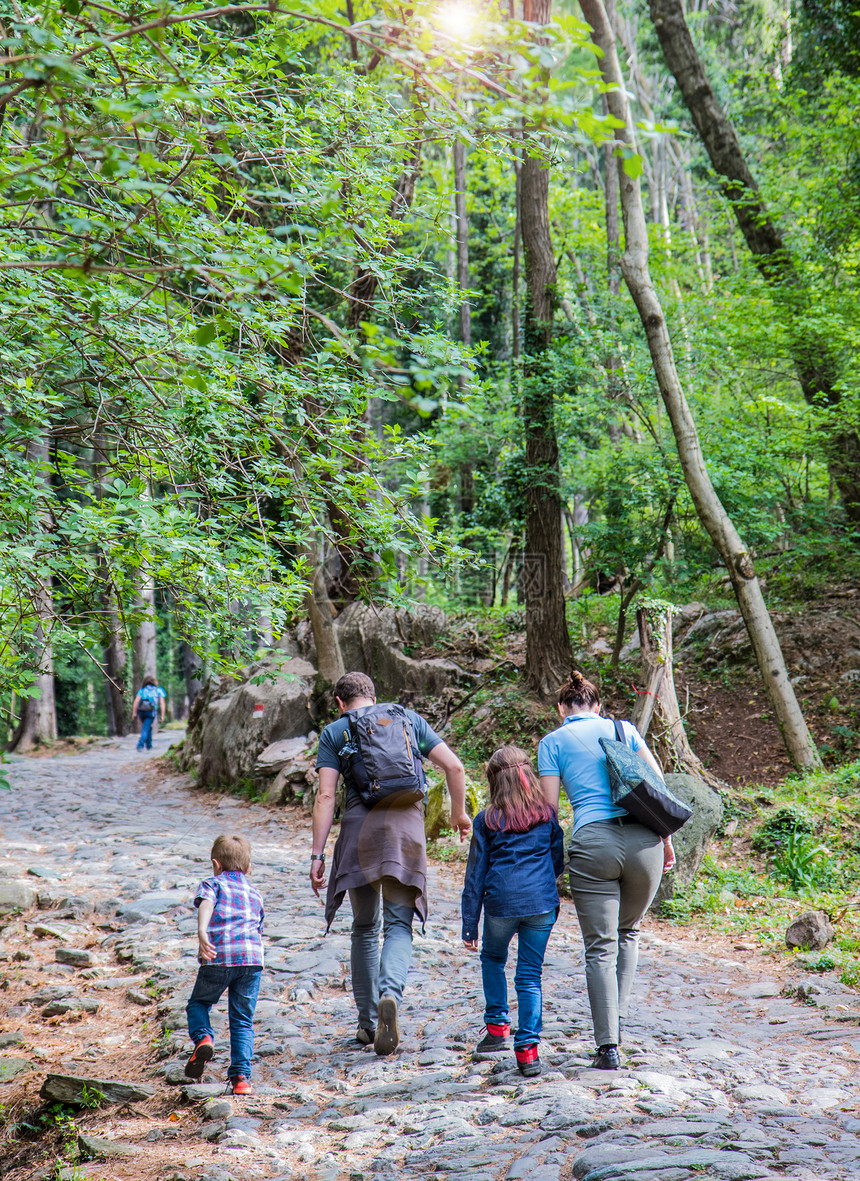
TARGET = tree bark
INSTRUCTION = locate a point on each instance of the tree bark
(143, 650)
(38, 720)
(321, 612)
(548, 651)
(114, 652)
(193, 671)
(657, 706)
(711, 513)
(817, 368)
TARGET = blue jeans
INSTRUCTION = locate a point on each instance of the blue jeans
(243, 985)
(145, 740)
(533, 932)
(376, 974)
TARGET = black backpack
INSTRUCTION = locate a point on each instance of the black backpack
(385, 760)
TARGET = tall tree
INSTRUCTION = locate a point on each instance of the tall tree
(38, 720)
(709, 508)
(818, 369)
(548, 651)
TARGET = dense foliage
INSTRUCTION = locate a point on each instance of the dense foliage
(231, 348)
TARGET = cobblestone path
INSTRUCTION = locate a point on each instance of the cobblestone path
(724, 1076)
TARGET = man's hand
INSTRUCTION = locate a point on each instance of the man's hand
(443, 757)
(470, 944)
(317, 877)
(461, 824)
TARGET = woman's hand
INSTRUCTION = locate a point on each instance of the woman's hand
(668, 855)
(470, 944)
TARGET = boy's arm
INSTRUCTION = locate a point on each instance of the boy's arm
(204, 914)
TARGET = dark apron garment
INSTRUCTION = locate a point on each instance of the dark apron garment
(384, 841)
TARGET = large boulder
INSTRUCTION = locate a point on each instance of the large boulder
(691, 842)
(233, 722)
(373, 641)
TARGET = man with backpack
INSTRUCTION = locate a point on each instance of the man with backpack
(149, 700)
(381, 852)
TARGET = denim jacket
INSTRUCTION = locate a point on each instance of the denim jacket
(511, 874)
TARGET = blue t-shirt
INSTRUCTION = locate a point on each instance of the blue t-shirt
(574, 753)
(336, 739)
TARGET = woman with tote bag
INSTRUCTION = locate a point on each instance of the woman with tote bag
(615, 862)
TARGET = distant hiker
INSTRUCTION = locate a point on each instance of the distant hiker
(149, 700)
(615, 862)
(516, 854)
(229, 933)
(381, 850)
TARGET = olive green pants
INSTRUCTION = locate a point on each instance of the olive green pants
(614, 874)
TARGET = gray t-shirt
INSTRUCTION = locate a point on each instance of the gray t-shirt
(336, 739)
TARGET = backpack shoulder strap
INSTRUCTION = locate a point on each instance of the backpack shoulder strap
(619, 731)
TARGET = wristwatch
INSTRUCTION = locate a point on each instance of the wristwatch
(317, 856)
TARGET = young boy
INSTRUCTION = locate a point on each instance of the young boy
(229, 930)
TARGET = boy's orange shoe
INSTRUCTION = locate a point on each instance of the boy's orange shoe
(203, 1052)
(241, 1086)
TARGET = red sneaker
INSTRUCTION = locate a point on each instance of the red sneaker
(203, 1052)
(242, 1086)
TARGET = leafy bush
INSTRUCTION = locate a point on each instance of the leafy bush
(800, 862)
(786, 821)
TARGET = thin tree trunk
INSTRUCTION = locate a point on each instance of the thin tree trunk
(193, 671)
(143, 650)
(657, 707)
(330, 664)
(548, 651)
(114, 651)
(711, 513)
(38, 720)
(817, 367)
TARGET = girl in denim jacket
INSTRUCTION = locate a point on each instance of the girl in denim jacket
(516, 854)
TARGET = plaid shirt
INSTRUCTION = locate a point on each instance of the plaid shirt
(235, 929)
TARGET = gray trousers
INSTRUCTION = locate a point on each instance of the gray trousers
(614, 874)
(374, 973)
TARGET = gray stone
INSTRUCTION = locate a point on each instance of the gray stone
(692, 841)
(197, 1092)
(762, 1092)
(78, 1091)
(70, 1004)
(11, 1039)
(174, 1074)
(138, 998)
(156, 902)
(76, 956)
(811, 930)
(732, 1166)
(10, 1068)
(16, 895)
(38, 871)
(104, 1148)
(215, 1109)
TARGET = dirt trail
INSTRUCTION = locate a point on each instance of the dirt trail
(724, 1077)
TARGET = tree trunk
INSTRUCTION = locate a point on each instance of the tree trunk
(143, 651)
(114, 667)
(818, 370)
(462, 222)
(322, 615)
(193, 671)
(548, 652)
(711, 513)
(38, 720)
(657, 707)
(114, 652)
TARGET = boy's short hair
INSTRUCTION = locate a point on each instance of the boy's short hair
(233, 853)
(354, 685)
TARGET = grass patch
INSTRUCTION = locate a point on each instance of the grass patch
(796, 848)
